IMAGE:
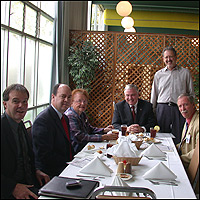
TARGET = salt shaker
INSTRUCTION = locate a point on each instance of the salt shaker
(120, 168)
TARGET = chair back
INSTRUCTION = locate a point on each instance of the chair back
(132, 193)
(193, 169)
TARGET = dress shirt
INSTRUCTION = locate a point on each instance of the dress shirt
(168, 85)
(59, 113)
(81, 130)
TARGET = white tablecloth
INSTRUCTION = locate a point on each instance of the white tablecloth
(183, 190)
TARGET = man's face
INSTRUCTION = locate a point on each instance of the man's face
(79, 102)
(62, 100)
(185, 107)
(17, 105)
(131, 96)
(169, 59)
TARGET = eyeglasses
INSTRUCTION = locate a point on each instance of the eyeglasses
(81, 101)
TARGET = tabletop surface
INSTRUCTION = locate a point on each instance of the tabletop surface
(173, 162)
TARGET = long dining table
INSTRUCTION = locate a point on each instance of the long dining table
(162, 191)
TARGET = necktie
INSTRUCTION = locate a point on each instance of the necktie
(179, 148)
(24, 151)
(133, 112)
(64, 123)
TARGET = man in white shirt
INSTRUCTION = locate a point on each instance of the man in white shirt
(168, 84)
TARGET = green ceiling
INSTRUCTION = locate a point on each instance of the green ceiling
(163, 6)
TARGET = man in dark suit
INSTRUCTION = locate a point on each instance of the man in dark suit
(138, 118)
(19, 177)
(51, 144)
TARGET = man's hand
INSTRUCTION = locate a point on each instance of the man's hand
(41, 175)
(135, 128)
(21, 191)
(108, 128)
(111, 136)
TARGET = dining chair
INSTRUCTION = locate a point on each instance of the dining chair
(193, 169)
(133, 193)
(28, 128)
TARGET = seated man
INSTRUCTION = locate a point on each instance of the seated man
(51, 133)
(136, 113)
(80, 128)
(190, 132)
(19, 177)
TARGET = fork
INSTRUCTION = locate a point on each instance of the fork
(164, 182)
(164, 159)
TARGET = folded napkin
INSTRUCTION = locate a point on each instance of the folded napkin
(96, 167)
(117, 181)
(160, 171)
(124, 150)
(153, 151)
(83, 154)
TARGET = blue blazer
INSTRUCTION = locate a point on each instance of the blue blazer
(50, 143)
(144, 116)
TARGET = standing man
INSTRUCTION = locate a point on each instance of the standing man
(136, 113)
(190, 133)
(168, 84)
(19, 177)
(51, 133)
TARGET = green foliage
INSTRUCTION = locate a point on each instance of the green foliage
(83, 60)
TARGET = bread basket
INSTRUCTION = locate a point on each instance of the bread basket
(132, 160)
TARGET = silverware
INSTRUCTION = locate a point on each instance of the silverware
(79, 175)
(164, 182)
(151, 158)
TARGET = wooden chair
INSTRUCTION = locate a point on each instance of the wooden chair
(193, 169)
(133, 193)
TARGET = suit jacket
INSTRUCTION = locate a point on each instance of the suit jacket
(9, 158)
(144, 116)
(187, 149)
(50, 143)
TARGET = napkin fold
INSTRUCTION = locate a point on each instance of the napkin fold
(96, 167)
(117, 181)
(160, 171)
(153, 151)
(124, 150)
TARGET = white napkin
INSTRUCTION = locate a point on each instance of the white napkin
(153, 151)
(83, 154)
(124, 150)
(160, 171)
(117, 181)
(97, 167)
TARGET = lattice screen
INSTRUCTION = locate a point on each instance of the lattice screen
(130, 58)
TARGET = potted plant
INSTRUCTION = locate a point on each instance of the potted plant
(83, 60)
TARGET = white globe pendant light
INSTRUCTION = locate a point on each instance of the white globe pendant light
(124, 8)
(127, 22)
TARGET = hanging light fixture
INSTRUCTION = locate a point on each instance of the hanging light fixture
(124, 8)
(132, 29)
(127, 22)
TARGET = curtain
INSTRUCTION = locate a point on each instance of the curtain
(69, 15)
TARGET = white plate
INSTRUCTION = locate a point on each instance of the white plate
(152, 141)
(129, 176)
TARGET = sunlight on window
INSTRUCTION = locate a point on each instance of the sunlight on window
(29, 69)
(14, 58)
(44, 73)
(46, 29)
(16, 15)
(30, 21)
